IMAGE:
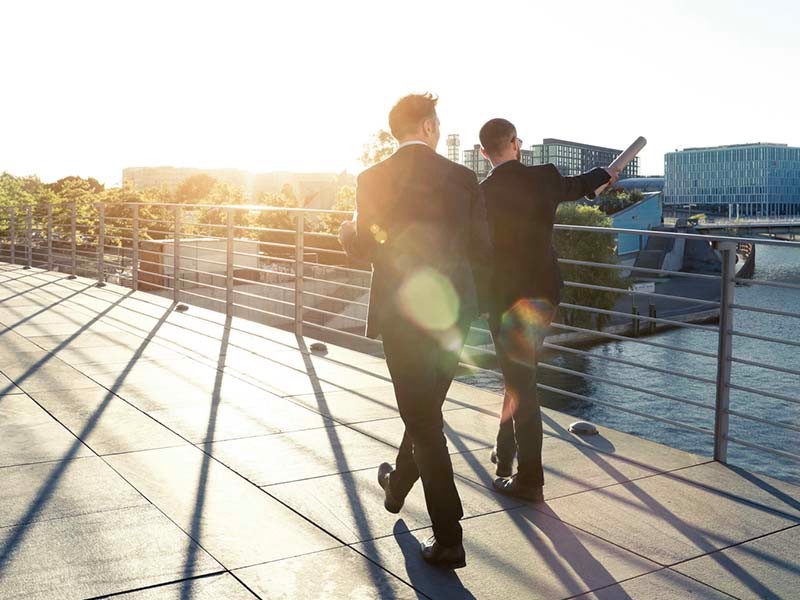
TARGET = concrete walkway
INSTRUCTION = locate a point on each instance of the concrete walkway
(154, 454)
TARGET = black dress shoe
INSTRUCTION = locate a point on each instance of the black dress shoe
(390, 503)
(447, 557)
(512, 487)
(504, 468)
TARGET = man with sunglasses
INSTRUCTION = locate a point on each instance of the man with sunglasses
(521, 203)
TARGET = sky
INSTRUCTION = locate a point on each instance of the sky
(90, 87)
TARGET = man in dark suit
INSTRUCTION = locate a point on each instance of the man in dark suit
(521, 204)
(421, 222)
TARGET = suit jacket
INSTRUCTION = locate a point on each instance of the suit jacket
(419, 213)
(521, 204)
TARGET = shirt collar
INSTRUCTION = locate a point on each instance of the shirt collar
(411, 143)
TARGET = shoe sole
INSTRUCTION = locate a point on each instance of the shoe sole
(389, 508)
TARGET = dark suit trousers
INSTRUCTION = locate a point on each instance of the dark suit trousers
(422, 372)
(520, 430)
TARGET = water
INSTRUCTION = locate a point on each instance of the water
(772, 264)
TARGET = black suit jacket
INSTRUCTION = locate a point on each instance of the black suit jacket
(421, 215)
(521, 204)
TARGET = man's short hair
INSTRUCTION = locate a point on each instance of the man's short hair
(406, 116)
(495, 134)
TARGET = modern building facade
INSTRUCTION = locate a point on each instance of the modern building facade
(473, 159)
(453, 147)
(739, 180)
(573, 158)
(570, 158)
(645, 214)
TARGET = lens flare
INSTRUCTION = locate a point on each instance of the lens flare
(523, 327)
(428, 299)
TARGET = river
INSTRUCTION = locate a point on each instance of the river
(772, 264)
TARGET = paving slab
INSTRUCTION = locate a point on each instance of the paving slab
(104, 422)
(667, 517)
(12, 343)
(339, 573)
(766, 568)
(96, 554)
(29, 435)
(48, 374)
(233, 520)
(62, 489)
(568, 468)
(284, 457)
(116, 354)
(661, 585)
(87, 340)
(240, 418)
(350, 505)
(512, 554)
(214, 587)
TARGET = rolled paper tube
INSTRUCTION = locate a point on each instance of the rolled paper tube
(621, 162)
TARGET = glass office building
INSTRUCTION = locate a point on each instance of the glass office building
(453, 147)
(573, 158)
(473, 159)
(739, 181)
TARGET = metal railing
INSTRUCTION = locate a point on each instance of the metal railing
(279, 266)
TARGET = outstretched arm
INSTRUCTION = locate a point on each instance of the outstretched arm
(569, 189)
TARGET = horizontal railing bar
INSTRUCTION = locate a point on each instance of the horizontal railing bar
(767, 311)
(314, 249)
(200, 284)
(623, 338)
(755, 446)
(195, 295)
(676, 235)
(773, 395)
(761, 365)
(626, 386)
(264, 284)
(603, 288)
(264, 298)
(778, 424)
(629, 363)
(265, 229)
(356, 336)
(763, 338)
(338, 283)
(627, 410)
(331, 314)
(777, 284)
(583, 263)
(265, 312)
(334, 298)
(267, 257)
(289, 275)
(603, 311)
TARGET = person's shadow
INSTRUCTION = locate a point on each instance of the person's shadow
(431, 581)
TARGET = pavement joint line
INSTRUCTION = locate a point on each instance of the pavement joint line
(45, 462)
(160, 585)
(723, 592)
(31, 522)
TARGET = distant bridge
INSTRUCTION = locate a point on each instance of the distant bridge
(780, 228)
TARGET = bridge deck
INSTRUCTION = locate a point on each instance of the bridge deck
(174, 454)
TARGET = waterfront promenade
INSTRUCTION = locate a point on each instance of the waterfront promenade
(173, 454)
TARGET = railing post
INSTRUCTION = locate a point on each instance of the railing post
(135, 249)
(229, 266)
(74, 241)
(725, 350)
(13, 222)
(298, 274)
(49, 237)
(29, 237)
(176, 257)
(101, 245)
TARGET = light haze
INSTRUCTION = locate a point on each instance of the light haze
(92, 87)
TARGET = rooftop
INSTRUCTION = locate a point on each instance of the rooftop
(186, 455)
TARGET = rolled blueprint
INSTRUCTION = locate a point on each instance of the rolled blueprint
(621, 162)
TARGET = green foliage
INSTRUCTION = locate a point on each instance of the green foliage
(614, 200)
(591, 247)
(195, 189)
(380, 146)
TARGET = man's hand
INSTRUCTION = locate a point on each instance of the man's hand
(613, 173)
(347, 231)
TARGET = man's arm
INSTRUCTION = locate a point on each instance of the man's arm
(359, 238)
(569, 189)
(480, 247)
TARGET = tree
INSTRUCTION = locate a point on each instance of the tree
(590, 247)
(195, 189)
(613, 200)
(380, 146)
